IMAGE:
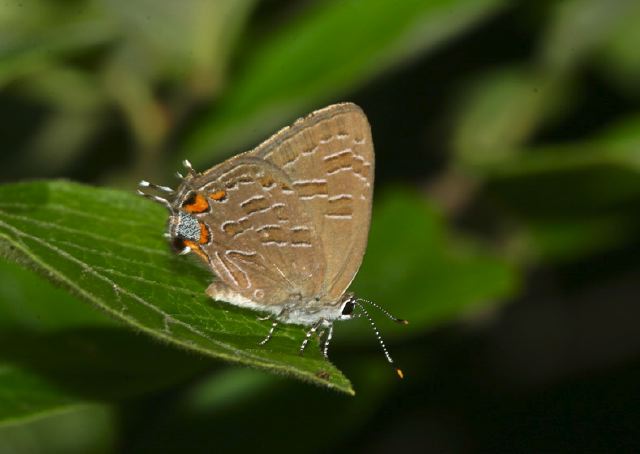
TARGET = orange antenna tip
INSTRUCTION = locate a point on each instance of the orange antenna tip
(399, 372)
(404, 322)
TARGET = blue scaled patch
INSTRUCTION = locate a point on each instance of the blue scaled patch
(188, 227)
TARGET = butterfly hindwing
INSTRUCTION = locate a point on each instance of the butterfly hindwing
(328, 156)
(263, 245)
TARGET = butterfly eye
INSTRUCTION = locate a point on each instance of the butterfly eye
(348, 308)
(189, 199)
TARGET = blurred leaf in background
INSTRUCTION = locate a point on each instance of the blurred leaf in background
(325, 51)
(420, 271)
(90, 428)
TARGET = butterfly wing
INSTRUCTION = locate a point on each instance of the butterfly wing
(263, 245)
(328, 157)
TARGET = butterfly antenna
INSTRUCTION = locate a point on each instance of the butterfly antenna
(384, 311)
(145, 185)
(377, 333)
(157, 187)
(189, 168)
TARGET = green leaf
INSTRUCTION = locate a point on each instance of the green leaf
(34, 34)
(500, 111)
(106, 246)
(567, 239)
(225, 388)
(572, 199)
(419, 270)
(615, 147)
(190, 39)
(85, 429)
(330, 48)
(577, 28)
(24, 394)
(45, 373)
(619, 57)
(30, 303)
(58, 353)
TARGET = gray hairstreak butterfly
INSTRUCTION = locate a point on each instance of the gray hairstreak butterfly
(284, 226)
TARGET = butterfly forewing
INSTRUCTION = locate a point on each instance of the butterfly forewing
(263, 244)
(328, 157)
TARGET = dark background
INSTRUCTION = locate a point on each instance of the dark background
(516, 131)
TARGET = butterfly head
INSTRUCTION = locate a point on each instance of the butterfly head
(186, 232)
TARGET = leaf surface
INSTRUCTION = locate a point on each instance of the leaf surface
(106, 246)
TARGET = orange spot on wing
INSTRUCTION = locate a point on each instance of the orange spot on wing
(218, 195)
(196, 204)
(204, 234)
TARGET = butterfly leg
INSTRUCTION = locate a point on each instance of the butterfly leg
(282, 313)
(270, 334)
(310, 333)
(325, 345)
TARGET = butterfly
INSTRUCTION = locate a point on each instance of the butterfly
(284, 226)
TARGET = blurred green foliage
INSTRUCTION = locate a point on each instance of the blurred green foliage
(507, 146)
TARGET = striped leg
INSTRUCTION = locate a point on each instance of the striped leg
(310, 333)
(282, 313)
(325, 345)
(270, 334)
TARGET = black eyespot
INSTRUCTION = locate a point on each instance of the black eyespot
(348, 308)
(178, 244)
(190, 200)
